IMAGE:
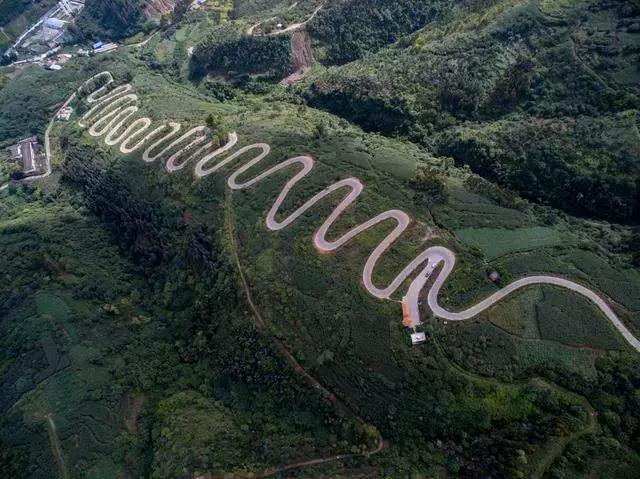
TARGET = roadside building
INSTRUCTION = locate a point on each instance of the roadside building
(418, 338)
(27, 152)
(65, 113)
(53, 51)
(54, 23)
(15, 152)
(62, 58)
(105, 47)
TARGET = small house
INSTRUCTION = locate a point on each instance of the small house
(26, 151)
(65, 113)
(418, 338)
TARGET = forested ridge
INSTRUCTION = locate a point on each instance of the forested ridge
(526, 95)
(353, 29)
(242, 55)
(110, 19)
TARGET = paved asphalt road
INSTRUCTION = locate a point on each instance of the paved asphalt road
(115, 107)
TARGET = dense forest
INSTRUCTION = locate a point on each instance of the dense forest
(352, 29)
(230, 52)
(540, 99)
(110, 19)
(10, 9)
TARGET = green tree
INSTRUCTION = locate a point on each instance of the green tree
(218, 128)
(430, 184)
(180, 10)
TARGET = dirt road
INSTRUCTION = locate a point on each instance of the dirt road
(291, 28)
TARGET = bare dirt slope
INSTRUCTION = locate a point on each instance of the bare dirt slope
(157, 8)
(302, 56)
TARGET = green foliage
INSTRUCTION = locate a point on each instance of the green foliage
(495, 242)
(250, 7)
(566, 318)
(137, 227)
(16, 16)
(533, 160)
(540, 106)
(617, 398)
(595, 457)
(430, 185)
(7, 466)
(110, 19)
(194, 435)
(355, 28)
(218, 128)
(180, 10)
(244, 54)
(362, 101)
(12, 8)
(119, 283)
(27, 104)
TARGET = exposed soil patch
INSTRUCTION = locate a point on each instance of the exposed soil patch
(157, 8)
(302, 56)
(133, 408)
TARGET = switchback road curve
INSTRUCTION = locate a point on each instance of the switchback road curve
(113, 117)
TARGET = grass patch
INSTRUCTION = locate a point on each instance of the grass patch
(498, 242)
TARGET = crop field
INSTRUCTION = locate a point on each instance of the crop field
(569, 319)
(517, 315)
(494, 242)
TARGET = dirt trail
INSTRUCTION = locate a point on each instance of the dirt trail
(302, 57)
(314, 462)
(56, 447)
(133, 408)
(292, 361)
(291, 28)
(297, 26)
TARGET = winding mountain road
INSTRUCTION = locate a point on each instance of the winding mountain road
(112, 118)
(291, 28)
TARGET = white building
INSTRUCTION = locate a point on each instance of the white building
(65, 113)
(418, 338)
(54, 23)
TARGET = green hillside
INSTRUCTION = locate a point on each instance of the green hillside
(151, 326)
(540, 97)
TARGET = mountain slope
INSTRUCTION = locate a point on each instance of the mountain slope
(517, 72)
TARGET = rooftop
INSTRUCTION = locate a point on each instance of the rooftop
(54, 23)
(25, 150)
